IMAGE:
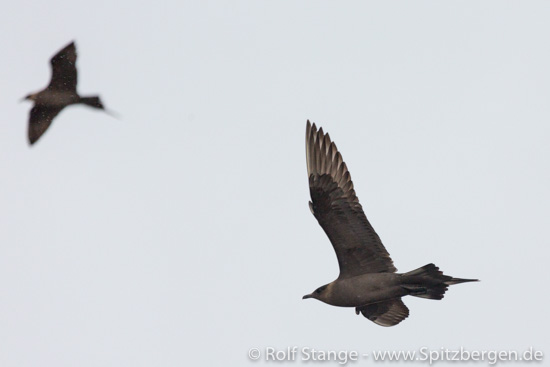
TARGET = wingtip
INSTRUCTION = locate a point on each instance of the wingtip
(310, 126)
(31, 141)
(70, 45)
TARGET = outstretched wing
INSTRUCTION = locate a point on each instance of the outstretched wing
(336, 207)
(64, 69)
(40, 119)
(387, 313)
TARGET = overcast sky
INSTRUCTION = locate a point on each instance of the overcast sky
(180, 234)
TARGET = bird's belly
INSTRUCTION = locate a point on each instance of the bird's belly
(57, 98)
(366, 289)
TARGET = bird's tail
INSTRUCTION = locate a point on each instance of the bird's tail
(429, 282)
(92, 102)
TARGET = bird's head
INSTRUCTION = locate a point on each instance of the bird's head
(30, 97)
(318, 293)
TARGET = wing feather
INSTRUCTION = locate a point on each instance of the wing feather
(387, 313)
(333, 202)
(64, 75)
(40, 119)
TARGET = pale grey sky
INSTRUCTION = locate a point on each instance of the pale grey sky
(180, 234)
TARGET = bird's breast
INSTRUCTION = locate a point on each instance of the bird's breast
(364, 289)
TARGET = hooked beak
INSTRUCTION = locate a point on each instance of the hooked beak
(307, 296)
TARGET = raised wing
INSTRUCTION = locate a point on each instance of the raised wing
(40, 119)
(64, 69)
(336, 207)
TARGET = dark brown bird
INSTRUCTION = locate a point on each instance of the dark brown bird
(368, 280)
(60, 93)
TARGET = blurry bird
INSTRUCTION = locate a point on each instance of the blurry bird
(60, 93)
(367, 279)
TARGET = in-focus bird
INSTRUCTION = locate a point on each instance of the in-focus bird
(368, 280)
(60, 93)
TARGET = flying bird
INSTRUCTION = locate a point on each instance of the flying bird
(368, 280)
(60, 93)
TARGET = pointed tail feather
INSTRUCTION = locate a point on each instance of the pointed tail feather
(429, 282)
(92, 102)
(460, 280)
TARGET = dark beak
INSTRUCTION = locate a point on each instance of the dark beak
(307, 296)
